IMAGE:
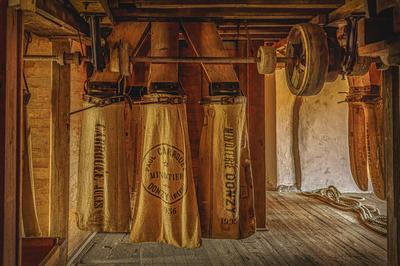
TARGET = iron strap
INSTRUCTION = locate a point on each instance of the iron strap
(222, 100)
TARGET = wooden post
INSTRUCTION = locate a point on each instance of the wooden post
(11, 33)
(391, 97)
(59, 146)
(271, 165)
(191, 80)
(164, 42)
(256, 118)
(205, 41)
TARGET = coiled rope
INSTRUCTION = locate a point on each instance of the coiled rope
(369, 215)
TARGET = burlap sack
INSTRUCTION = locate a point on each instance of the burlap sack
(225, 188)
(133, 123)
(166, 208)
(29, 217)
(103, 191)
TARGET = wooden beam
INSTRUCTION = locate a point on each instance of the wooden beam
(252, 30)
(391, 100)
(297, 4)
(59, 146)
(164, 42)
(11, 37)
(4, 172)
(271, 160)
(266, 35)
(351, 7)
(205, 41)
(260, 23)
(253, 38)
(107, 10)
(227, 13)
(61, 15)
(256, 124)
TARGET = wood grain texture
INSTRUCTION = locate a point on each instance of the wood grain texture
(191, 81)
(256, 125)
(303, 231)
(3, 121)
(59, 148)
(10, 131)
(253, 86)
(357, 145)
(78, 77)
(365, 93)
(271, 164)
(164, 43)
(39, 78)
(391, 100)
(205, 41)
(375, 146)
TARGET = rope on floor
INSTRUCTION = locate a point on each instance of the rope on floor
(369, 215)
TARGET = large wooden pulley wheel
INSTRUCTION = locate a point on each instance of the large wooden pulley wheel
(307, 56)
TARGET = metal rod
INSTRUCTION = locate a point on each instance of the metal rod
(204, 60)
(51, 58)
(161, 60)
(97, 59)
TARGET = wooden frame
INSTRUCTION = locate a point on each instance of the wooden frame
(60, 149)
(391, 98)
(10, 131)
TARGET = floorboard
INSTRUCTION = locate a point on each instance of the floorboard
(302, 231)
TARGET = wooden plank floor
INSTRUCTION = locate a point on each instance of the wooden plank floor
(302, 231)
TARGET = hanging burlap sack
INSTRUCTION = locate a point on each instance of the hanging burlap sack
(166, 208)
(29, 218)
(133, 122)
(225, 188)
(103, 191)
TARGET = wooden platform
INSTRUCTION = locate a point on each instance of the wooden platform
(302, 231)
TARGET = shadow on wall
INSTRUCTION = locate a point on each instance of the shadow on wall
(323, 140)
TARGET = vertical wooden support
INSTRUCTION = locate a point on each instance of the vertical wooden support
(4, 152)
(164, 42)
(59, 150)
(391, 97)
(191, 80)
(205, 41)
(271, 165)
(256, 124)
(11, 32)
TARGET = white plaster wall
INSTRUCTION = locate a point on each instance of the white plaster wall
(323, 139)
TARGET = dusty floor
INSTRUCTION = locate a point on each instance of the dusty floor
(302, 231)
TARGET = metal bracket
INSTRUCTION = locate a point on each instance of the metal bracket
(224, 88)
(136, 92)
(98, 60)
(165, 87)
(105, 89)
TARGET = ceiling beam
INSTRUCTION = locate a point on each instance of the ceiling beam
(295, 4)
(125, 13)
(61, 15)
(253, 30)
(107, 10)
(352, 7)
(260, 23)
(268, 35)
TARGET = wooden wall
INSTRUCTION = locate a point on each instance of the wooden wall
(191, 80)
(39, 79)
(11, 31)
(78, 77)
(38, 76)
